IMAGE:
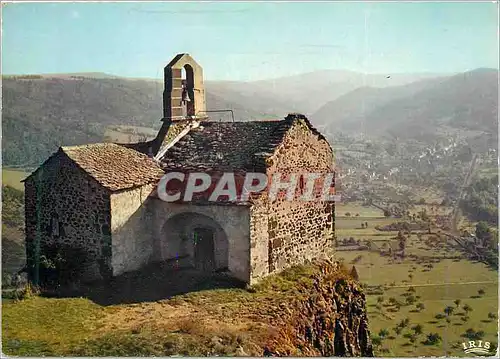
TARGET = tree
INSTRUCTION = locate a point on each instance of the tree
(480, 292)
(398, 330)
(417, 329)
(492, 316)
(420, 306)
(380, 299)
(362, 225)
(366, 224)
(410, 299)
(483, 232)
(433, 338)
(448, 310)
(467, 308)
(347, 214)
(457, 302)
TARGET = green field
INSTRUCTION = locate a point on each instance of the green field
(126, 134)
(363, 211)
(13, 178)
(437, 287)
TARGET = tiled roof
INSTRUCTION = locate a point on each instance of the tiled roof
(113, 166)
(175, 128)
(227, 145)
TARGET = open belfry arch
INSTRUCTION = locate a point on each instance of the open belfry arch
(184, 93)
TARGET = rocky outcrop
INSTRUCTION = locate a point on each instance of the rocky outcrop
(327, 318)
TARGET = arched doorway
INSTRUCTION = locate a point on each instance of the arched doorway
(195, 239)
(204, 249)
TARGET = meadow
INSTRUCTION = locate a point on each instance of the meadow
(13, 177)
(406, 301)
(434, 277)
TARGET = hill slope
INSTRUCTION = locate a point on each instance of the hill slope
(467, 101)
(41, 113)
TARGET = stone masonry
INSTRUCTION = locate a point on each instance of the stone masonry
(286, 233)
(65, 207)
(96, 206)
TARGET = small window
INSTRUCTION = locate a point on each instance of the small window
(301, 184)
(55, 226)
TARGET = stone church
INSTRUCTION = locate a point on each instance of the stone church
(101, 199)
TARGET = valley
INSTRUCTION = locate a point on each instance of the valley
(409, 156)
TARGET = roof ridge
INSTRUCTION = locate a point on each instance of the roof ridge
(184, 132)
(87, 145)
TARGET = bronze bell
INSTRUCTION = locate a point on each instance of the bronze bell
(185, 96)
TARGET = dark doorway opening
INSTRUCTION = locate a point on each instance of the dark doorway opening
(204, 250)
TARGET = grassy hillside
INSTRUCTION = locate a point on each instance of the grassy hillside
(231, 321)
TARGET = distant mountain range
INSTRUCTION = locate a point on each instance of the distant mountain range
(466, 101)
(42, 112)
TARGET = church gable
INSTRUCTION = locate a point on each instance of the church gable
(112, 166)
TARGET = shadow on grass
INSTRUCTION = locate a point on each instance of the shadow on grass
(155, 282)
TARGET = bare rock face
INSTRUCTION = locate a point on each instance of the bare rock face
(327, 318)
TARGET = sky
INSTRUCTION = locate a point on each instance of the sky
(245, 41)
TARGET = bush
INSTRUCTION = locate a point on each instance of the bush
(59, 264)
(473, 335)
(432, 339)
(383, 333)
(26, 291)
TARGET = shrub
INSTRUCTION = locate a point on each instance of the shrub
(473, 335)
(420, 306)
(27, 291)
(59, 264)
(432, 339)
(383, 333)
(376, 341)
(418, 329)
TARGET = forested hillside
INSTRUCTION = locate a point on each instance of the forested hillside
(42, 113)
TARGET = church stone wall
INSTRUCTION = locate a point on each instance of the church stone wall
(65, 208)
(131, 227)
(286, 233)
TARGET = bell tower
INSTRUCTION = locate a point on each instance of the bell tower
(184, 93)
(183, 96)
